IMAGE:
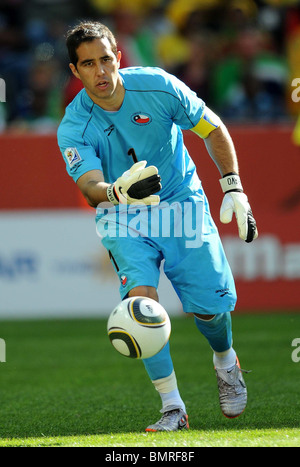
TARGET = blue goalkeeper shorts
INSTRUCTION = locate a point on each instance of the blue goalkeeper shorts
(180, 237)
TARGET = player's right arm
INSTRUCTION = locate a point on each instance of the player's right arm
(93, 187)
(135, 186)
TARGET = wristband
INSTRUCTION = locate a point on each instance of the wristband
(112, 195)
(231, 182)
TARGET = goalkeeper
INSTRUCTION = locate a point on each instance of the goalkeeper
(122, 142)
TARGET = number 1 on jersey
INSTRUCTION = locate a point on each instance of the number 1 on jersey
(132, 153)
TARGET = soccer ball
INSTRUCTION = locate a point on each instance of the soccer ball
(139, 327)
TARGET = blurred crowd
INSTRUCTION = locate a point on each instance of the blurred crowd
(239, 56)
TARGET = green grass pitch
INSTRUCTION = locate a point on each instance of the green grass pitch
(63, 384)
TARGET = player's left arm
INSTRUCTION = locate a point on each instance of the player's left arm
(220, 147)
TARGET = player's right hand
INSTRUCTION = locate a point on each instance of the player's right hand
(136, 186)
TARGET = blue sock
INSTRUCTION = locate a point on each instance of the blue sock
(218, 331)
(161, 365)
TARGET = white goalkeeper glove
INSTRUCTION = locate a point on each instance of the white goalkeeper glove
(136, 186)
(235, 201)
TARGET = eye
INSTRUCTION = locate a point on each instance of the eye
(87, 64)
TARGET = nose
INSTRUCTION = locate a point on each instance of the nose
(100, 69)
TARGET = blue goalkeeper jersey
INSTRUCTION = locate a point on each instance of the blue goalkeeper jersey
(156, 107)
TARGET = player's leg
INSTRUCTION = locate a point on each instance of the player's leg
(204, 283)
(137, 264)
(231, 384)
(162, 374)
(218, 331)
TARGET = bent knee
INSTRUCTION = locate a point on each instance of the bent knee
(144, 291)
(204, 317)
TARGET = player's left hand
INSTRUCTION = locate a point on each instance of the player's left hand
(237, 202)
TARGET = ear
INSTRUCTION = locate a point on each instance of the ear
(74, 70)
(119, 56)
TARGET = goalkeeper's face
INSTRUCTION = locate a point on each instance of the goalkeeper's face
(98, 69)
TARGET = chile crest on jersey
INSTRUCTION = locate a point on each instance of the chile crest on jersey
(141, 118)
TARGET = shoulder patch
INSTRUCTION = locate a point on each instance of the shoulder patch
(73, 156)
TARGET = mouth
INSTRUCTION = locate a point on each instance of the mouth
(102, 85)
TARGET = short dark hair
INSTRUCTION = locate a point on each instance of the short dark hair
(87, 31)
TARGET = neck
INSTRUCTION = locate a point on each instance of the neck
(111, 103)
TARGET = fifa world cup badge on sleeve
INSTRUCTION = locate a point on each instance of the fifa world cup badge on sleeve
(72, 156)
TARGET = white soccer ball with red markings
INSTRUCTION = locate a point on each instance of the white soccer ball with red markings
(139, 327)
